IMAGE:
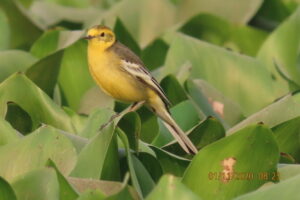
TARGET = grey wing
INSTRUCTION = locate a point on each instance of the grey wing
(134, 66)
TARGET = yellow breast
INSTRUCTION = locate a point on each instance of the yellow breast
(105, 68)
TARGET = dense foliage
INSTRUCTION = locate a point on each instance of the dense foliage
(230, 68)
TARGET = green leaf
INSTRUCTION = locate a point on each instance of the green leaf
(240, 77)
(143, 176)
(20, 90)
(206, 132)
(287, 135)
(95, 98)
(5, 31)
(243, 10)
(7, 133)
(95, 120)
(169, 188)
(53, 41)
(171, 163)
(151, 164)
(154, 54)
(23, 30)
(141, 180)
(99, 158)
(14, 61)
(66, 191)
(173, 90)
(287, 189)
(44, 73)
(233, 168)
(282, 48)
(77, 141)
(288, 107)
(214, 103)
(37, 184)
(6, 191)
(150, 128)
(131, 125)
(125, 38)
(53, 14)
(74, 78)
(242, 39)
(32, 152)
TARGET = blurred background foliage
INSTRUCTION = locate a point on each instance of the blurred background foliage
(231, 70)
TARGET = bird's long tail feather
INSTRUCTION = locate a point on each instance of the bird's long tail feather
(183, 140)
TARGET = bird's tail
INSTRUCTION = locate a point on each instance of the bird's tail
(183, 140)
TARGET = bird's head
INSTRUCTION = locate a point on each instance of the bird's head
(100, 35)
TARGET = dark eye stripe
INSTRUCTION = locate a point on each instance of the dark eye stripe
(102, 34)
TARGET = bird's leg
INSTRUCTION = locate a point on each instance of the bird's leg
(131, 108)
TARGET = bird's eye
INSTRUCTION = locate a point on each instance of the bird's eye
(102, 34)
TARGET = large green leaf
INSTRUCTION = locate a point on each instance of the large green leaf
(242, 39)
(51, 14)
(282, 48)
(284, 109)
(74, 77)
(229, 167)
(44, 73)
(7, 133)
(169, 188)
(37, 184)
(22, 28)
(214, 103)
(33, 151)
(20, 90)
(99, 158)
(54, 40)
(6, 191)
(14, 61)
(4, 28)
(238, 77)
(239, 12)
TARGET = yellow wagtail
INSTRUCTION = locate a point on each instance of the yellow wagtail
(121, 74)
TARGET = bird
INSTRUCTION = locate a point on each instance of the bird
(121, 74)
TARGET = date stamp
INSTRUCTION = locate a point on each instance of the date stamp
(244, 176)
(229, 173)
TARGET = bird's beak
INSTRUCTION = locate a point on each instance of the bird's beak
(88, 37)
